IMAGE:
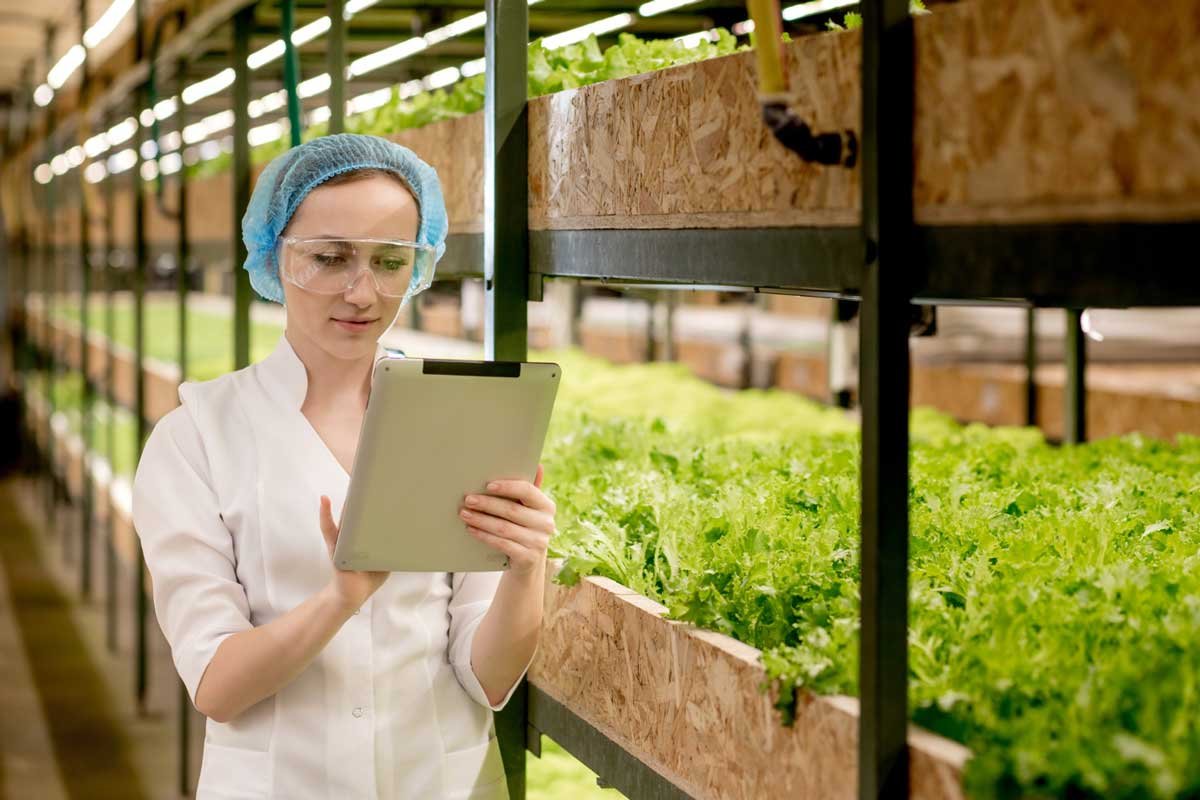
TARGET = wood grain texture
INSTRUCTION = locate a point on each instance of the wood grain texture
(688, 703)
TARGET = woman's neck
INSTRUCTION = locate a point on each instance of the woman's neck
(331, 380)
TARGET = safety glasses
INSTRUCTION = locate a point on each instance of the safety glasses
(332, 265)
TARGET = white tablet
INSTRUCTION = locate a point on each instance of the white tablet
(435, 431)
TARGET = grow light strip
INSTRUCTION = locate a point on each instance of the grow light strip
(661, 6)
(802, 10)
(598, 28)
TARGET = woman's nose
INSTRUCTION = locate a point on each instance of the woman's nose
(362, 291)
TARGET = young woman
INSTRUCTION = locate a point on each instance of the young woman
(319, 682)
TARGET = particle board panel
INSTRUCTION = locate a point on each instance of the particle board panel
(803, 373)
(688, 703)
(161, 380)
(1159, 400)
(454, 148)
(1029, 111)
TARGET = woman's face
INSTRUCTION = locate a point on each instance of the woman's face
(377, 207)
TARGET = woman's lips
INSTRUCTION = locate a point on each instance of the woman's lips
(354, 326)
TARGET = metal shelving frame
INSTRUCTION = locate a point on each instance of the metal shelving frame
(887, 263)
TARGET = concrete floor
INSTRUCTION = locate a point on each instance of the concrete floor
(70, 725)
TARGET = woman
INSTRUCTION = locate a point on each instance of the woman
(319, 682)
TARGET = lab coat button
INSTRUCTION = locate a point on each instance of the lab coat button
(358, 712)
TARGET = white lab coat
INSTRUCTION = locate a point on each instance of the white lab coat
(225, 502)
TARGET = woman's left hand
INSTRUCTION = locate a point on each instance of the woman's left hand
(517, 519)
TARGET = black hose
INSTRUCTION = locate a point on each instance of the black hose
(835, 149)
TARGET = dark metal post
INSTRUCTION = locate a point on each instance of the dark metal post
(242, 21)
(139, 350)
(181, 284)
(336, 54)
(110, 441)
(49, 284)
(291, 69)
(85, 561)
(1075, 391)
(1031, 387)
(506, 182)
(888, 284)
(184, 249)
(506, 259)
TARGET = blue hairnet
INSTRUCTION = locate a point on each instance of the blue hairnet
(290, 176)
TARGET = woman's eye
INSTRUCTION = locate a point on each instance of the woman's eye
(394, 264)
(327, 260)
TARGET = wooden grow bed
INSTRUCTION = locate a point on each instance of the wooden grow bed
(1025, 112)
(687, 702)
(684, 700)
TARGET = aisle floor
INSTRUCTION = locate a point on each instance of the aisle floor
(70, 726)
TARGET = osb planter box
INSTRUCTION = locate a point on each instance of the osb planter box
(1156, 400)
(803, 373)
(614, 344)
(441, 319)
(717, 362)
(161, 379)
(687, 702)
(1025, 112)
(68, 454)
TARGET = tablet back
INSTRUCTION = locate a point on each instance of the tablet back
(435, 431)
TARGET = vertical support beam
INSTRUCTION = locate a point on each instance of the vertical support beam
(888, 285)
(85, 251)
(183, 253)
(291, 69)
(110, 441)
(242, 21)
(1075, 413)
(49, 283)
(506, 260)
(139, 350)
(506, 181)
(336, 55)
(184, 250)
(1031, 387)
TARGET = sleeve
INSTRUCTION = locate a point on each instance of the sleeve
(187, 547)
(471, 595)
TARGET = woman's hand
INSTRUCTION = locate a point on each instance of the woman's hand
(350, 586)
(517, 519)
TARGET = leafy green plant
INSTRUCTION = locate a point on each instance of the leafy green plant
(1054, 591)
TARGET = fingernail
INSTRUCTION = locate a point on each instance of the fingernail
(493, 486)
(465, 514)
(472, 500)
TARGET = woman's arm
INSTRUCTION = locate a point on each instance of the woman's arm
(518, 521)
(255, 664)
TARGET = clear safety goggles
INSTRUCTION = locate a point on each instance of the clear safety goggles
(333, 264)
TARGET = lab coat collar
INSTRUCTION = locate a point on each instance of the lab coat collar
(285, 377)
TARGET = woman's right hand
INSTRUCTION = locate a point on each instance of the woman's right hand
(352, 587)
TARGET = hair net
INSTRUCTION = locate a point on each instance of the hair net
(290, 176)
